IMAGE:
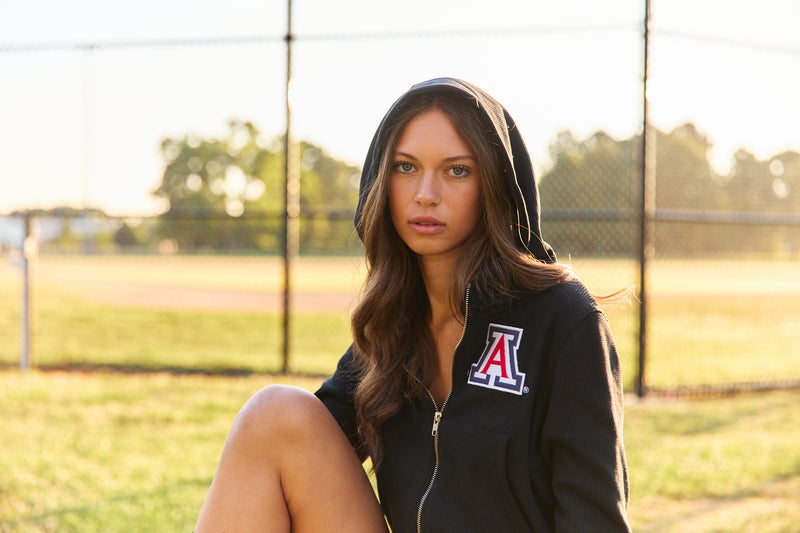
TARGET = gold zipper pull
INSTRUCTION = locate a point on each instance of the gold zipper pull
(436, 418)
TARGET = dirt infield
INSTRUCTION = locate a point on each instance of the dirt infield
(201, 283)
(148, 296)
(211, 299)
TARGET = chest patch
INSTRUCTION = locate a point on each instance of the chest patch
(497, 367)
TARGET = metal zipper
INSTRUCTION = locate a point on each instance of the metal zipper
(437, 418)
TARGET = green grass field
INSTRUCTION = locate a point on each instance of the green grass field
(709, 321)
(98, 451)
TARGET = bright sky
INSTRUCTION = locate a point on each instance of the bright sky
(84, 127)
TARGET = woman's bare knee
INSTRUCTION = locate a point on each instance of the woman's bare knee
(247, 491)
(321, 475)
(277, 414)
(289, 454)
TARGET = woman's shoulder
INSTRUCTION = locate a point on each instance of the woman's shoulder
(558, 308)
(569, 296)
(566, 302)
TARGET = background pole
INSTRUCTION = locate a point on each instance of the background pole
(291, 198)
(28, 251)
(646, 211)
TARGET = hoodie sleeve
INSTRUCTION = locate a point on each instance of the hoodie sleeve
(582, 433)
(337, 393)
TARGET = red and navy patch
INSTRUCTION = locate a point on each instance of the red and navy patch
(498, 367)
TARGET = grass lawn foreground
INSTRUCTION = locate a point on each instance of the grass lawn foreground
(116, 452)
(99, 452)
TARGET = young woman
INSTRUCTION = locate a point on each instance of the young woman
(483, 381)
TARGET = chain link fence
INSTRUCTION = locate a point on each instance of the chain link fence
(198, 285)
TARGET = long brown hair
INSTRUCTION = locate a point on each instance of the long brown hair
(392, 340)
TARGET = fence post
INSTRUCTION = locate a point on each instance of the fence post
(291, 207)
(646, 210)
(28, 254)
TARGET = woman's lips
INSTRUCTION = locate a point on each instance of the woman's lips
(426, 225)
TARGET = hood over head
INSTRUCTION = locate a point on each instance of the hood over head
(518, 172)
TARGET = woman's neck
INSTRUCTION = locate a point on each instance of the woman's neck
(444, 325)
(436, 276)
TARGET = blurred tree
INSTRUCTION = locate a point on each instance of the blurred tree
(593, 181)
(684, 177)
(590, 174)
(685, 180)
(227, 194)
(784, 169)
(588, 195)
(765, 186)
(328, 196)
(125, 238)
(770, 185)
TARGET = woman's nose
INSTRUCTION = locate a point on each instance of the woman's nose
(427, 190)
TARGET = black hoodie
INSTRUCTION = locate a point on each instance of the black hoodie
(530, 436)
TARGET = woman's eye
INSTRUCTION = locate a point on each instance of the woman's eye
(459, 171)
(404, 166)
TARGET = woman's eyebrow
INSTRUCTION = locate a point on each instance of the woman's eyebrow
(448, 159)
(458, 157)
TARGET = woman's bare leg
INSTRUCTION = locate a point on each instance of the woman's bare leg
(287, 467)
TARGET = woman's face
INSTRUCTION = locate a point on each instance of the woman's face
(435, 187)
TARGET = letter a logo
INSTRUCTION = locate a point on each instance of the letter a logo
(498, 368)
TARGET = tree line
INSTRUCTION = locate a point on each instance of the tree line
(226, 195)
(592, 197)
